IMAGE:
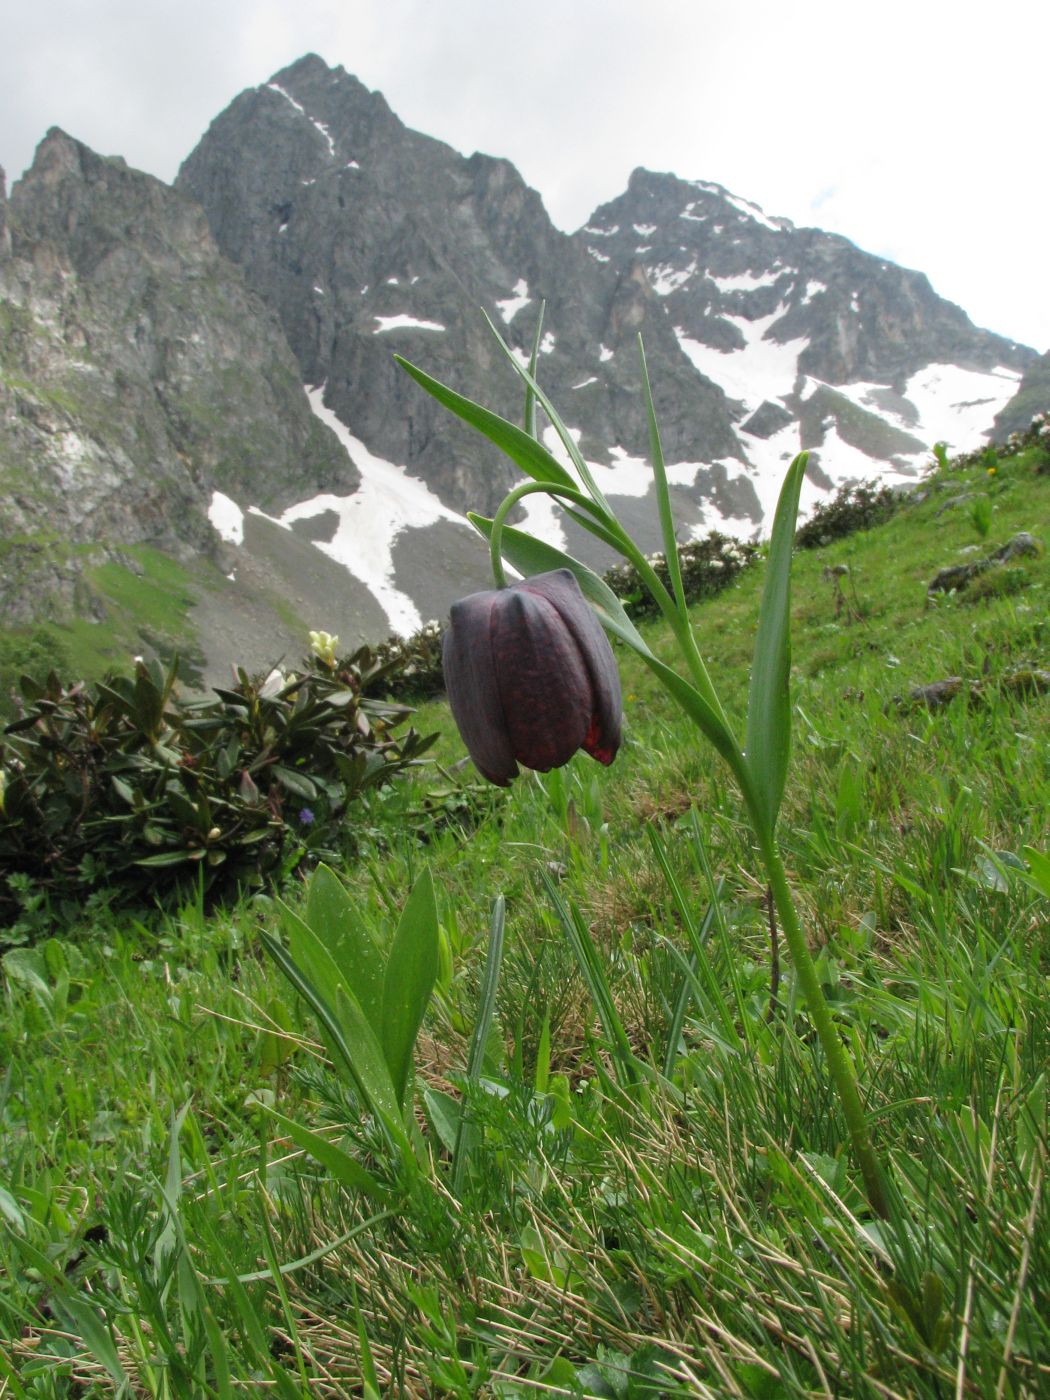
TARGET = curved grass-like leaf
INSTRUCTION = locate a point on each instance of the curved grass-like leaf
(339, 1164)
(529, 418)
(411, 972)
(531, 456)
(663, 495)
(466, 1132)
(769, 701)
(567, 439)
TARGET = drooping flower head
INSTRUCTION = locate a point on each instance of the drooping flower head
(531, 677)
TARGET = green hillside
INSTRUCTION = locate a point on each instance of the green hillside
(652, 1198)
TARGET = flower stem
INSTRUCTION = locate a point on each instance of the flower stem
(839, 1062)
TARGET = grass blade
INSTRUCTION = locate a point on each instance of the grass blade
(590, 965)
(465, 1134)
(530, 393)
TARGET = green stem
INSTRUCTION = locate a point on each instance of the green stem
(839, 1062)
(529, 488)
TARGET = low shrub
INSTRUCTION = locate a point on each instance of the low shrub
(855, 506)
(708, 566)
(124, 783)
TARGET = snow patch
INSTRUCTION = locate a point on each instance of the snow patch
(644, 230)
(604, 354)
(761, 370)
(547, 344)
(387, 502)
(956, 405)
(665, 279)
(584, 382)
(318, 126)
(510, 306)
(403, 322)
(602, 232)
(227, 519)
(747, 281)
(598, 257)
(752, 211)
(813, 289)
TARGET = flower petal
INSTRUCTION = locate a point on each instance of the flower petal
(543, 682)
(473, 692)
(560, 588)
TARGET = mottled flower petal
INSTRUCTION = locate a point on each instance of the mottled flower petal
(473, 694)
(531, 677)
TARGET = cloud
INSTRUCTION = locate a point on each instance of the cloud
(904, 126)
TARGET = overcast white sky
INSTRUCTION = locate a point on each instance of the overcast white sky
(917, 129)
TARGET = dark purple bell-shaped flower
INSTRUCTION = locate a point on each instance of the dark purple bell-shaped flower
(531, 677)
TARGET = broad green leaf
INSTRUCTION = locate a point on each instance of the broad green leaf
(444, 1113)
(330, 914)
(348, 1033)
(411, 972)
(531, 456)
(296, 783)
(769, 701)
(276, 1049)
(90, 1325)
(339, 1164)
(310, 954)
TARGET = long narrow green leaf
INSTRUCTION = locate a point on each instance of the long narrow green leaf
(769, 701)
(339, 1164)
(330, 913)
(567, 439)
(91, 1327)
(663, 495)
(411, 971)
(530, 394)
(466, 1132)
(531, 456)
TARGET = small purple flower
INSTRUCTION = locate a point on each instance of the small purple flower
(306, 816)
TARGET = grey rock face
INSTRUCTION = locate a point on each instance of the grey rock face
(138, 373)
(368, 238)
(721, 259)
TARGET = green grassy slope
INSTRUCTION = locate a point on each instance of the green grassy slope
(701, 1232)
